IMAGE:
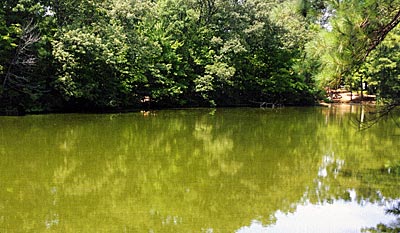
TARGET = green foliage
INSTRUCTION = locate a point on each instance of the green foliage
(20, 75)
(163, 65)
(352, 31)
(94, 64)
(111, 54)
(382, 68)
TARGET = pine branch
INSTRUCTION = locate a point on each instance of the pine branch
(380, 34)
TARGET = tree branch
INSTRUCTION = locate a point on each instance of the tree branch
(380, 34)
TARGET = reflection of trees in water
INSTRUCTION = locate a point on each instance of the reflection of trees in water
(336, 180)
(363, 157)
(179, 170)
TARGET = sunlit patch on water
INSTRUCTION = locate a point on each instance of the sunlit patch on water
(337, 217)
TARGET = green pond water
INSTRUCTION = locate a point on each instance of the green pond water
(201, 170)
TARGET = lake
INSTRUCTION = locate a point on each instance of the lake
(198, 170)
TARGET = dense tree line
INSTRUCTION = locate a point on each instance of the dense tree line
(81, 54)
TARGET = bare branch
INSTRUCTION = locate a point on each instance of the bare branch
(23, 58)
(373, 117)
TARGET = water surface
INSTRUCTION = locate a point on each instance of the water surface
(201, 170)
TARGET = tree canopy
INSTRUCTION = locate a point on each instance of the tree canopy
(85, 54)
